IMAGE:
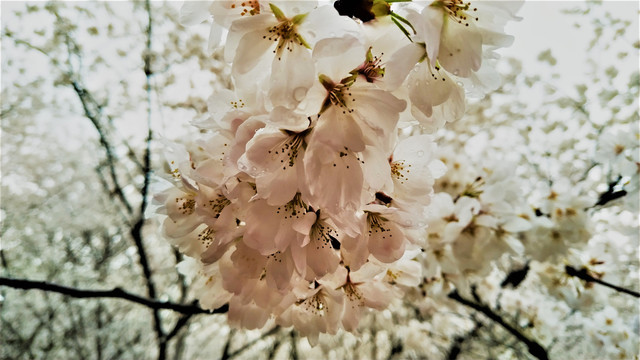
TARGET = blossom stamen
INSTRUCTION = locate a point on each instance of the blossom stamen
(457, 11)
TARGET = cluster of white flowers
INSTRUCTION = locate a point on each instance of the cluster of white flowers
(306, 202)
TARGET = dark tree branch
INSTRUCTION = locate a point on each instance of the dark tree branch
(456, 347)
(227, 346)
(534, 348)
(584, 275)
(136, 230)
(274, 349)
(612, 193)
(184, 320)
(516, 277)
(116, 293)
(294, 345)
(93, 115)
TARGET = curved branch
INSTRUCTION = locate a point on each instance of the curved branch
(116, 293)
(534, 348)
(584, 275)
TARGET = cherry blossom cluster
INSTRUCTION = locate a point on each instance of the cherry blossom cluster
(306, 200)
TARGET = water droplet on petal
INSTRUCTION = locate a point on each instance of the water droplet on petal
(299, 93)
(456, 72)
(420, 153)
(242, 167)
(459, 83)
(254, 169)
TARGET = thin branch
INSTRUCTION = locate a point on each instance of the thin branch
(227, 345)
(294, 345)
(136, 230)
(456, 347)
(273, 330)
(584, 275)
(87, 101)
(534, 348)
(184, 320)
(516, 276)
(116, 293)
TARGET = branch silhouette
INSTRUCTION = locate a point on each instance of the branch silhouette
(534, 348)
(116, 293)
(584, 275)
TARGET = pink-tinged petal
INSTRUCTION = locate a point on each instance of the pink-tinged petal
(386, 240)
(406, 272)
(460, 49)
(299, 256)
(245, 260)
(215, 37)
(263, 223)
(226, 227)
(207, 284)
(429, 88)
(496, 38)
(376, 169)
(367, 272)
(294, 7)
(376, 108)
(436, 101)
(304, 224)
(338, 130)
(292, 74)
(180, 227)
(286, 119)
(246, 131)
(273, 158)
(314, 28)
(225, 12)
(430, 31)
(242, 27)
(352, 314)
(194, 12)
(355, 251)
(279, 270)
(188, 243)
(337, 178)
(214, 252)
(377, 295)
(401, 64)
(336, 57)
(280, 187)
(322, 261)
(248, 316)
(250, 51)
(411, 166)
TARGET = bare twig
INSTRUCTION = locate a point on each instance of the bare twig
(136, 230)
(584, 275)
(273, 330)
(116, 293)
(92, 112)
(184, 320)
(294, 345)
(534, 348)
(456, 346)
